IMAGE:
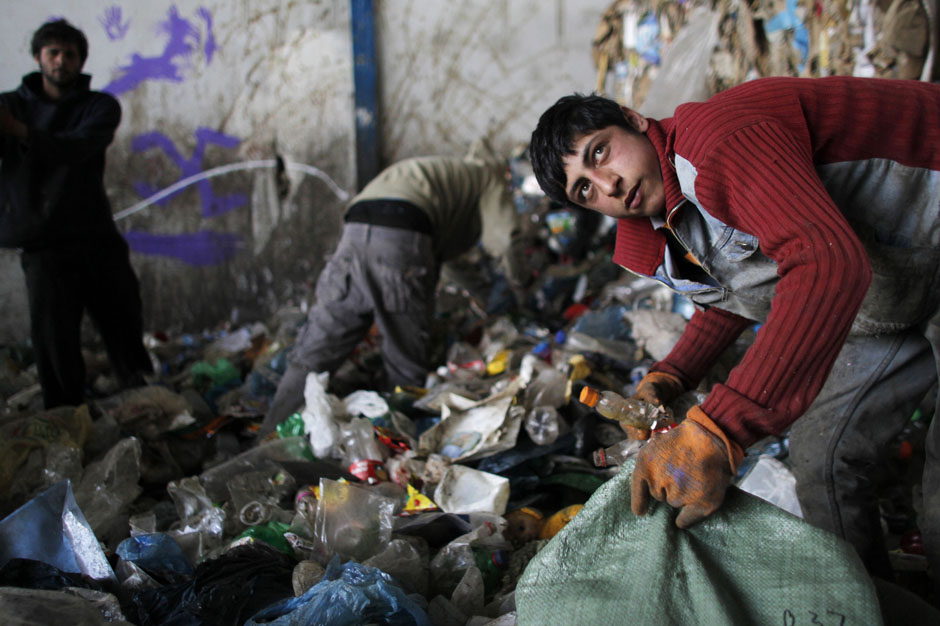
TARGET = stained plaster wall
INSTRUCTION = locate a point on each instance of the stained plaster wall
(213, 92)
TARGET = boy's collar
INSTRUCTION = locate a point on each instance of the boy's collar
(639, 246)
(662, 135)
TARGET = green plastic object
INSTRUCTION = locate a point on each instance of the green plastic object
(749, 563)
(272, 533)
(205, 374)
(293, 426)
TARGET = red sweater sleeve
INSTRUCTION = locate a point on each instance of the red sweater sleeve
(706, 336)
(761, 180)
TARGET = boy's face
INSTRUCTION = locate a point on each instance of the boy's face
(616, 172)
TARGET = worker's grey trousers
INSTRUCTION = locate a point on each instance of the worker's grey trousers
(838, 447)
(377, 274)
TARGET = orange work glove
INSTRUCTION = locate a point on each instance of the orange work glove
(689, 467)
(656, 388)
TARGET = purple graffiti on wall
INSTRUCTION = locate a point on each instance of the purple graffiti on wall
(212, 204)
(114, 28)
(207, 247)
(184, 39)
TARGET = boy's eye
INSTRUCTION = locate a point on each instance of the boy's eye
(598, 152)
(583, 190)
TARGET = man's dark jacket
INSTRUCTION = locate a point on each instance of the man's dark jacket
(51, 186)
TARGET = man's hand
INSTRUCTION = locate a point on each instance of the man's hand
(11, 126)
(659, 389)
(688, 467)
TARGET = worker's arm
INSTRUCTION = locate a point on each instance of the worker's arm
(768, 187)
(766, 184)
(84, 140)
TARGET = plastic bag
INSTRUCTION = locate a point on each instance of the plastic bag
(264, 457)
(63, 426)
(201, 524)
(450, 564)
(771, 480)
(466, 490)
(158, 554)
(406, 560)
(349, 594)
(108, 486)
(225, 590)
(487, 427)
(52, 529)
(683, 75)
(319, 415)
(22, 607)
(353, 522)
(148, 412)
(748, 563)
(366, 404)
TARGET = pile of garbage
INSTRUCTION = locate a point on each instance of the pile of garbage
(728, 42)
(423, 505)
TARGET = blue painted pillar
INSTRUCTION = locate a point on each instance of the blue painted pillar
(366, 91)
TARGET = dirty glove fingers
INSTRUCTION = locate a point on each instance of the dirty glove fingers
(692, 514)
(659, 388)
(635, 434)
(639, 493)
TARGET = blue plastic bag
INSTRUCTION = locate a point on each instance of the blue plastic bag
(349, 594)
(158, 554)
(51, 529)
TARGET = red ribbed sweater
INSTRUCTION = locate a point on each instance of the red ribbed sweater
(755, 148)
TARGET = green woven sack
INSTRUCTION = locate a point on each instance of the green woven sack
(749, 563)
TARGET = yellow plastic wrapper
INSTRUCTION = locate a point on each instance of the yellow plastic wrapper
(498, 364)
(417, 502)
(559, 520)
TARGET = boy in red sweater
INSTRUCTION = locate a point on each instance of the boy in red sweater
(807, 205)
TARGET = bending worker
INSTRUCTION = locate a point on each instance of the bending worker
(414, 216)
(810, 206)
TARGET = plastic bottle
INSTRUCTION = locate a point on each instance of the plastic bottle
(543, 425)
(361, 452)
(617, 453)
(492, 564)
(629, 411)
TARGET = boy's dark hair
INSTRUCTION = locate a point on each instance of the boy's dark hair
(59, 31)
(559, 128)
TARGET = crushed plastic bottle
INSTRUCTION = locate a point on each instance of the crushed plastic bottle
(630, 411)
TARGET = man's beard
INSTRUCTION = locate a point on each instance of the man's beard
(64, 81)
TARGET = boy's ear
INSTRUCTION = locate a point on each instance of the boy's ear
(638, 122)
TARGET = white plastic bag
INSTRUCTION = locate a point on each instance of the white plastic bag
(319, 415)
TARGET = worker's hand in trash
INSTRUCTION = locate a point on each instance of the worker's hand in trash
(688, 467)
(657, 388)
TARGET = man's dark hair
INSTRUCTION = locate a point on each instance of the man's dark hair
(559, 128)
(59, 31)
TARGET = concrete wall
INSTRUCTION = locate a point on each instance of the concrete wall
(213, 92)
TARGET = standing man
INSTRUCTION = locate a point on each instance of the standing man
(53, 135)
(410, 219)
(809, 205)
